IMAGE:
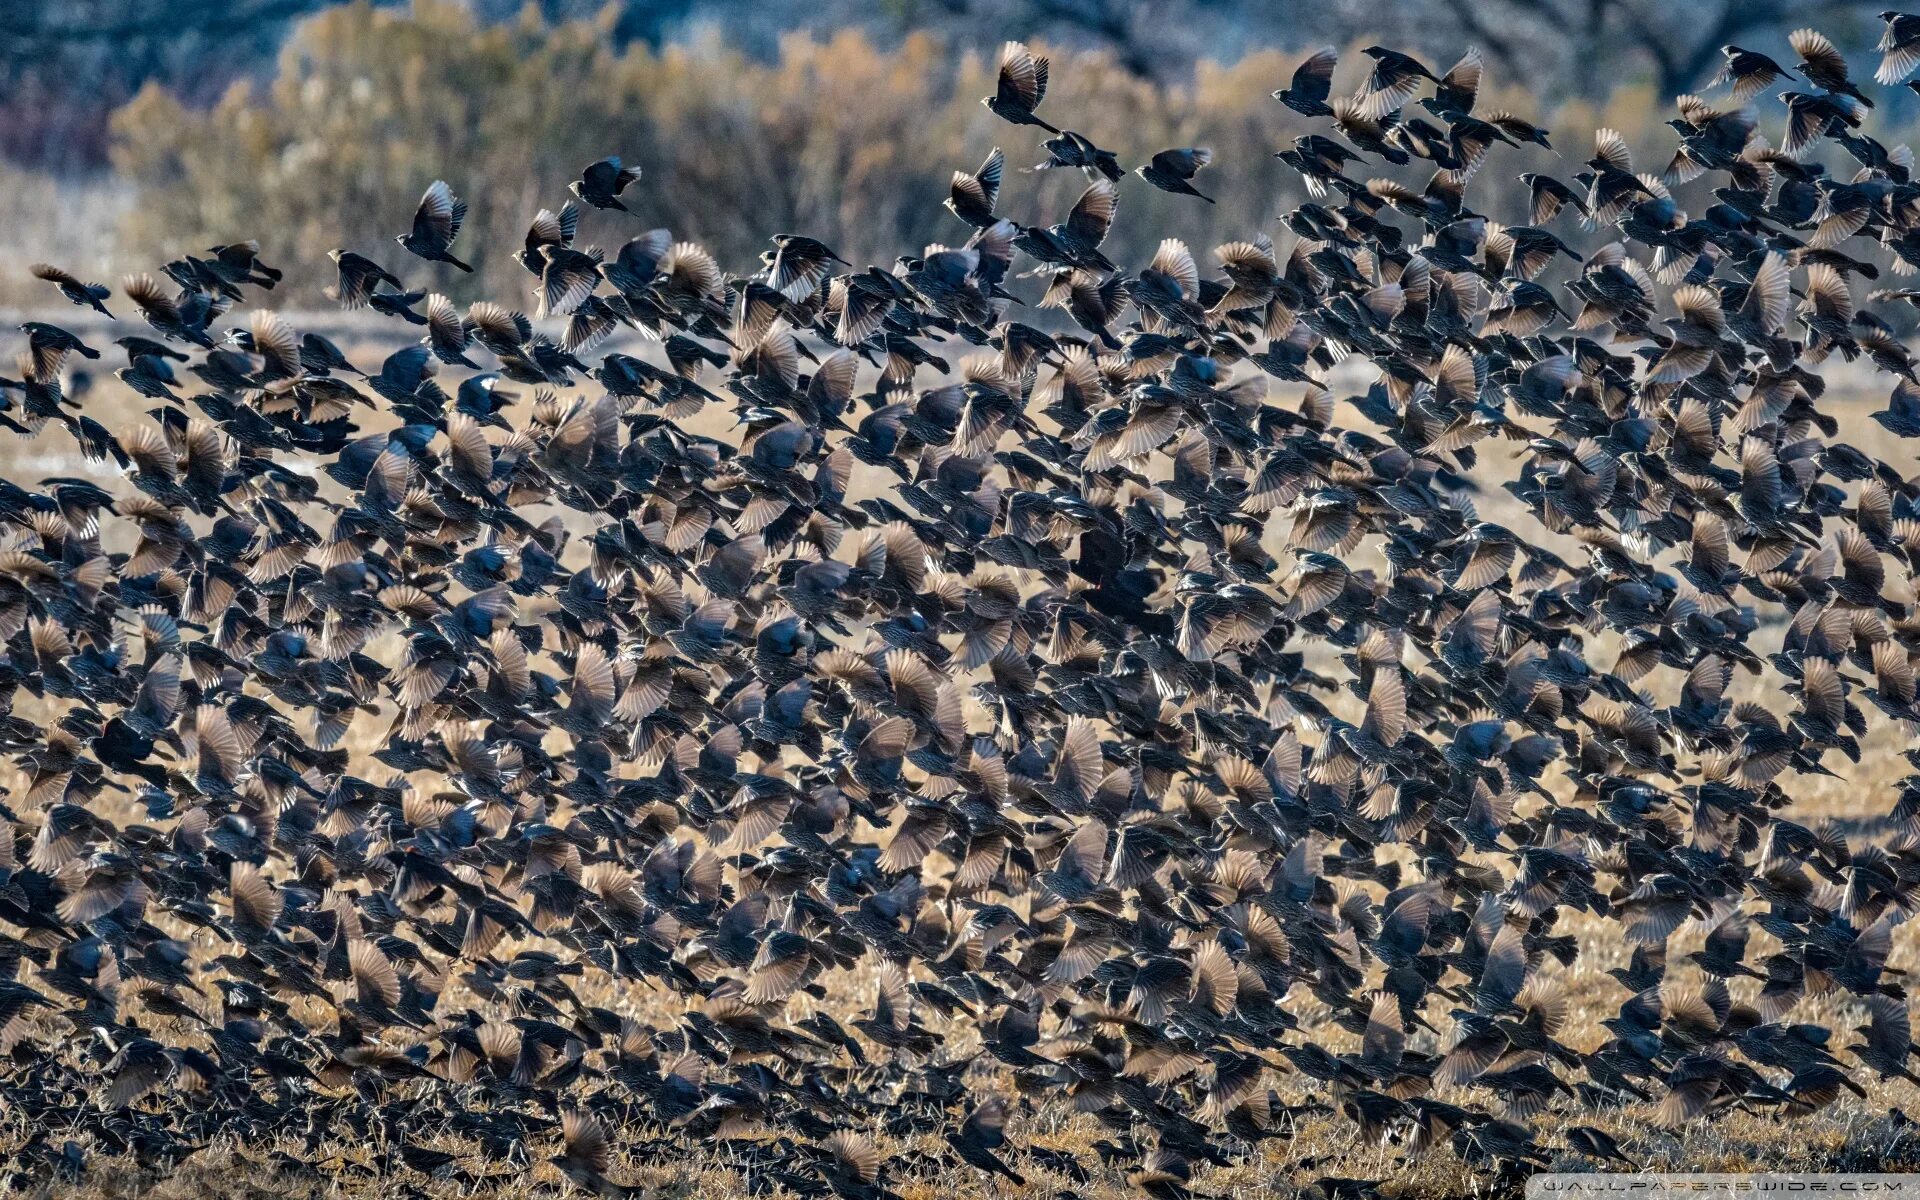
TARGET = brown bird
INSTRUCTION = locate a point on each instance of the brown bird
(587, 1155)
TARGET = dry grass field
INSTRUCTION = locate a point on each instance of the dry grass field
(1869, 1133)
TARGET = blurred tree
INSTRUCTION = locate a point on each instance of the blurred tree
(851, 139)
(834, 138)
(65, 65)
(1578, 45)
(838, 139)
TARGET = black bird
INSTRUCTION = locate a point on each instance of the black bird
(1172, 170)
(973, 198)
(1022, 86)
(980, 1135)
(1824, 66)
(360, 278)
(601, 183)
(1070, 149)
(86, 295)
(1899, 47)
(1393, 81)
(436, 223)
(1748, 73)
(1312, 83)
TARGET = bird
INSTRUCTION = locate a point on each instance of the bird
(601, 183)
(359, 278)
(1022, 86)
(1392, 82)
(1071, 149)
(1598, 1144)
(1824, 66)
(436, 223)
(973, 196)
(1899, 47)
(981, 1134)
(1312, 83)
(86, 295)
(587, 1155)
(1172, 170)
(1747, 73)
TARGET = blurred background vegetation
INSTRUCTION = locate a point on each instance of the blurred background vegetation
(131, 130)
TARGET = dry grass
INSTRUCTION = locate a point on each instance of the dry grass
(71, 221)
(1855, 1134)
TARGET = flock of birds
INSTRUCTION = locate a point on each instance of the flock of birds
(1034, 749)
